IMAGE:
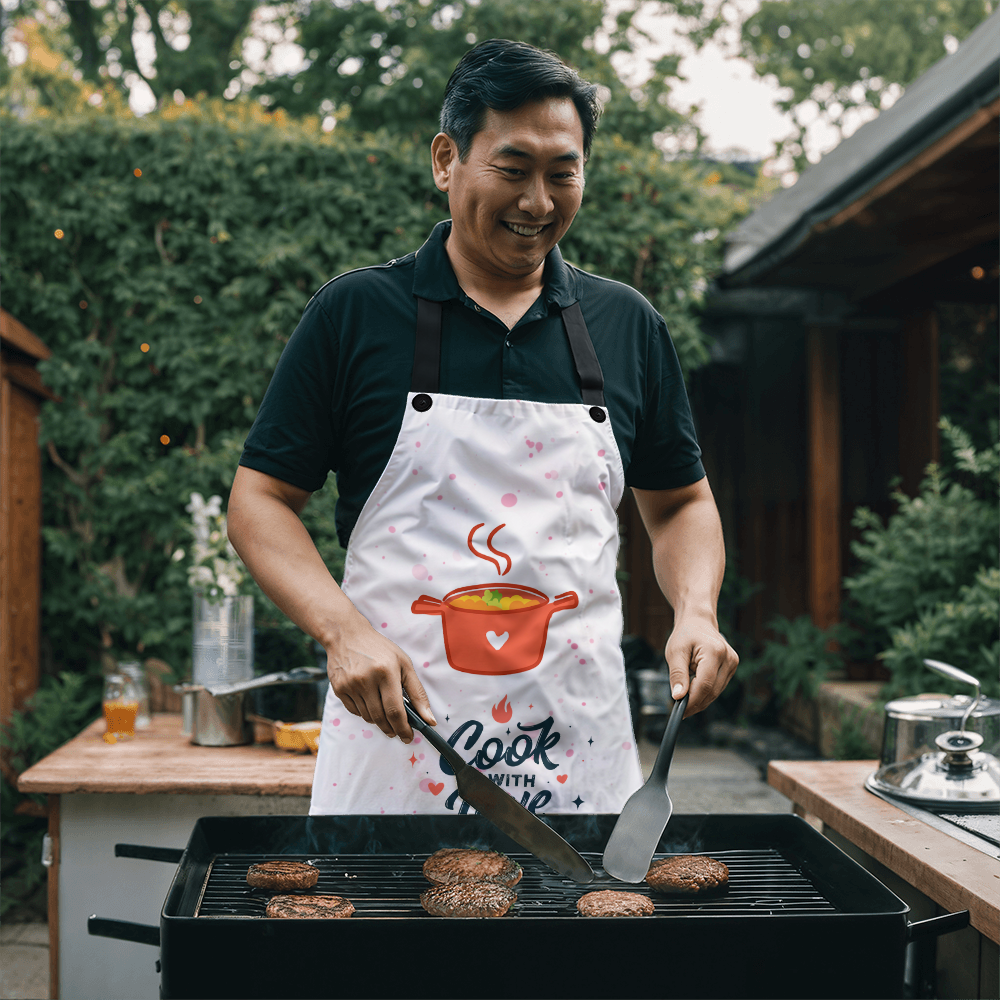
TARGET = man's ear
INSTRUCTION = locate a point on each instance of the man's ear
(444, 155)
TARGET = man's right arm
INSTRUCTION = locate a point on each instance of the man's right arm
(367, 670)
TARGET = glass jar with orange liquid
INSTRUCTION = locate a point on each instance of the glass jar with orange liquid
(121, 704)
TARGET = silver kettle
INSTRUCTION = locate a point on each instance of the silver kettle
(933, 749)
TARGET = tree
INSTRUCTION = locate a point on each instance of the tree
(367, 65)
(843, 61)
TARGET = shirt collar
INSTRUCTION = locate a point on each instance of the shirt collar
(434, 279)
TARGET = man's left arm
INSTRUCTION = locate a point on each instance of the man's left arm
(689, 559)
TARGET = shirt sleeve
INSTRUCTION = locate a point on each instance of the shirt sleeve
(666, 453)
(294, 436)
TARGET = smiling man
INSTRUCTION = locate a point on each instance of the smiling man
(484, 406)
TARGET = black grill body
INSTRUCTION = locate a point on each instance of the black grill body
(800, 918)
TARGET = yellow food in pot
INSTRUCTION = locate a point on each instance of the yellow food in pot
(490, 600)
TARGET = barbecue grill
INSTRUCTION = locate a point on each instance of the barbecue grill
(800, 918)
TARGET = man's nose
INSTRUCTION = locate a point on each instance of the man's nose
(535, 199)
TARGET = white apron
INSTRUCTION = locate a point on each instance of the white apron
(506, 507)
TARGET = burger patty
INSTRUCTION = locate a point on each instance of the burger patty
(309, 906)
(688, 874)
(282, 875)
(611, 903)
(466, 864)
(468, 899)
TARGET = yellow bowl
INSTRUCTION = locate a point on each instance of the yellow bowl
(298, 736)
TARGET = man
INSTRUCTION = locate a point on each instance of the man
(484, 405)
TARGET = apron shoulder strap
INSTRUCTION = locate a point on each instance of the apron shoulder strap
(584, 356)
(427, 350)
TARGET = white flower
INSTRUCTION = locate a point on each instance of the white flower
(178, 555)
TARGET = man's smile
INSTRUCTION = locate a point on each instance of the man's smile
(522, 230)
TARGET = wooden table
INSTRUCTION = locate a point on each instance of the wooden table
(162, 761)
(149, 790)
(896, 846)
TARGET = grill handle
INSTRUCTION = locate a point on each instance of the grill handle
(935, 926)
(123, 930)
(172, 855)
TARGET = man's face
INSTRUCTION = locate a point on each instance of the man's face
(517, 191)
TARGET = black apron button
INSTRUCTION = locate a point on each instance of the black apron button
(596, 413)
(422, 402)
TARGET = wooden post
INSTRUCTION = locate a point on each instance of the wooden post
(823, 526)
(919, 398)
(21, 394)
(53, 895)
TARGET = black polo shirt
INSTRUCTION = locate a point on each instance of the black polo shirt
(339, 390)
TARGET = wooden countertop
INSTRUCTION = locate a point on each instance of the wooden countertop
(954, 875)
(161, 760)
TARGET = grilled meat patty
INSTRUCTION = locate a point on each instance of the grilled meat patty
(309, 906)
(688, 874)
(282, 875)
(466, 864)
(611, 903)
(468, 899)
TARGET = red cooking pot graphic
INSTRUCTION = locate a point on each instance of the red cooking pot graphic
(491, 629)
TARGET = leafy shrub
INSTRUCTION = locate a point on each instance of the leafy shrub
(963, 632)
(929, 580)
(800, 661)
(851, 743)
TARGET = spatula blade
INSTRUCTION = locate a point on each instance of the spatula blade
(638, 830)
(637, 834)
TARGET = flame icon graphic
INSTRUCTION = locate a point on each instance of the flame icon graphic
(503, 711)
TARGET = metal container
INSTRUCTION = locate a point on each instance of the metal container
(939, 753)
(913, 724)
(219, 721)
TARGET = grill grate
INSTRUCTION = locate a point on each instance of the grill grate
(761, 882)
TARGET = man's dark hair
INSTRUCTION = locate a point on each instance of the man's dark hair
(503, 75)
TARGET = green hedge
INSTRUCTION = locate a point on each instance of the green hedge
(208, 257)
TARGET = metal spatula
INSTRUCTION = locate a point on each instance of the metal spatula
(644, 818)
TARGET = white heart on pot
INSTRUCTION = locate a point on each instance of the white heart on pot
(496, 641)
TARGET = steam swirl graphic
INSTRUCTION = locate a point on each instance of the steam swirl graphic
(489, 545)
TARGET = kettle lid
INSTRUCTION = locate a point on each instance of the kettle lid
(940, 706)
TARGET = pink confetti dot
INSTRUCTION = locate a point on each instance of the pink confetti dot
(600, 454)
(573, 646)
(530, 444)
(336, 722)
(539, 446)
(600, 486)
(366, 733)
(415, 472)
(626, 745)
(429, 577)
(508, 499)
(531, 454)
(550, 538)
(420, 756)
(548, 475)
(452, 476)
(416, 739)
(385, 624)
(583, 661)
(351, 737)
(559, 494)
(591, 640)
(569, 753)
(427, 663)
(591, 592)
(583, 703)
(440, 497)
(419, 572)
(392, 530)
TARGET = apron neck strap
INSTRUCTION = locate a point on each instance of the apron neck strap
(427, 352)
